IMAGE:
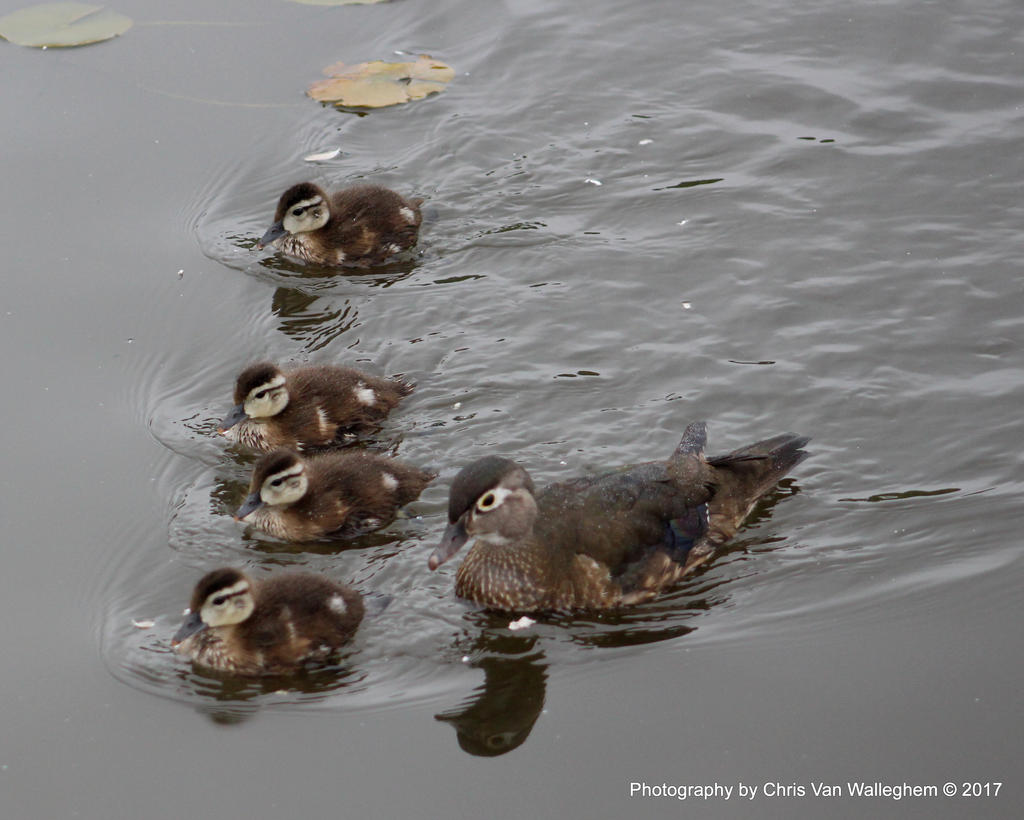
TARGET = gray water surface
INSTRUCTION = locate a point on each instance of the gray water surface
(807, 220)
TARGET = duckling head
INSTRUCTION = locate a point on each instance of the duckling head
(301, 209)
(261, 391)
(492, 500)
(278, 479)
(222, 597)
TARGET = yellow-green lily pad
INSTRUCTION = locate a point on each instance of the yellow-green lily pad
(62, 24)
(338, 2)
(377, 84)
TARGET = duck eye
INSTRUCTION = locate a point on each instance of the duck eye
(276, 482)
(297, 212)
(262, 394)
(487, 501)
(219, 600)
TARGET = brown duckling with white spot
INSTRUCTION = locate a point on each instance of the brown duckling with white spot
(274, 626)
(359, 226)
(333, 494)
(307, 407)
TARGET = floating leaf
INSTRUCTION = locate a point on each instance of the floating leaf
(378, 84)
(62, 24)
(338, 2)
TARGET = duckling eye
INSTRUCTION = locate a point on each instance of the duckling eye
(487, 501)
(297, 212)
(219, 600)
(262, 394)
(276, 482)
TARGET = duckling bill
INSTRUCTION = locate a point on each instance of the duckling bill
(604, 541)
(273, 626)
(310, 406)
(332, 494)
(359, 226)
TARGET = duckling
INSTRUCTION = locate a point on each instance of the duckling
(312, 406)
(607, 540)
(357, 227)
(338, 494)
(272, 626)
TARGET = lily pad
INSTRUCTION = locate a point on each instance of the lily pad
(62, 24)
(378, 84)
(338, 2)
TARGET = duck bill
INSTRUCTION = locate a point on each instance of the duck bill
(252, 503)
(236, 415)
(274, 232)
(451, 542)
(193, 624)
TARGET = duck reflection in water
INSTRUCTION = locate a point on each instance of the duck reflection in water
(230, 700)
(323, 310)
(311, 317)
(499, 715)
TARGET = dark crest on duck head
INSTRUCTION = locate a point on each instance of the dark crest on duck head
(253, 376)
(297, 193)
(215, 579)
(273, 462)
(477, 478)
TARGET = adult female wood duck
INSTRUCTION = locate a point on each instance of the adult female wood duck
(607, 540)
(358, 226)
(272, 626)
(340, 494)
(311, 406)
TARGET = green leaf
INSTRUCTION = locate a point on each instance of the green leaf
(378, 84)
(62, 24)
